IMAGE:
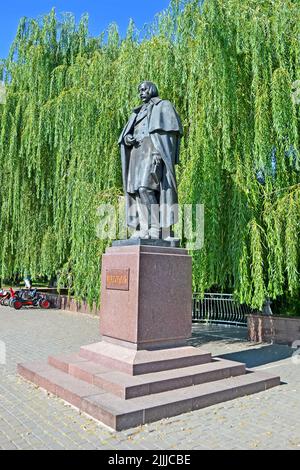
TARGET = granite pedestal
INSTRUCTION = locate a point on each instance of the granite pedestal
(153, 308)
(143, 370)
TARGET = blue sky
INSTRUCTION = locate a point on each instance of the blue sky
(101, 12)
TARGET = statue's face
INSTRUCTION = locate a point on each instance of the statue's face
(145, 93)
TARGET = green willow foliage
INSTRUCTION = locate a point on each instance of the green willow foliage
(228, 66)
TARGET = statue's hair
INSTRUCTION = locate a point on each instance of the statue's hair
(152, 87)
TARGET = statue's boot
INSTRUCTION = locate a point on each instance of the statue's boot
(154, 232)
(140, 234)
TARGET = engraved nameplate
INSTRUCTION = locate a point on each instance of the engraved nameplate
(117, 279)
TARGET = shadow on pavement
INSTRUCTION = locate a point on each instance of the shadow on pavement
(236, 336)
(266, 354)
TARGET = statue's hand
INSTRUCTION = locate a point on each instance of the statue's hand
(156, 158)
(129, 140)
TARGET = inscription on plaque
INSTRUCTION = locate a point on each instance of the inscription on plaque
(117, 279)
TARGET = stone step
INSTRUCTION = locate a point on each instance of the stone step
(57, 382)
(127, 387)
(120, 414)
(63, 362)
(133, 362)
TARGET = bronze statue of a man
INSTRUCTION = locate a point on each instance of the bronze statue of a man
(149, 152)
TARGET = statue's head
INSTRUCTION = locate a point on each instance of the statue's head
(147, 90)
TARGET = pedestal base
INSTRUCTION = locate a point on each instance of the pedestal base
(124, 388)
(141, 371)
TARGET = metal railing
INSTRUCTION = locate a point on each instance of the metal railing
(219, 308)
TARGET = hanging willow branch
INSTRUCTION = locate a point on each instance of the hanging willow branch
(229, 69)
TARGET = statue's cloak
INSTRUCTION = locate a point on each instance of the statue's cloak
(165, 130)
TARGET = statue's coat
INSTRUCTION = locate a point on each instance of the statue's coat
(165, 130)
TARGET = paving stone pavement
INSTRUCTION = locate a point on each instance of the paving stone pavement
(32, 419)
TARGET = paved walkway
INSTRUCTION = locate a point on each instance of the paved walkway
(31, 419)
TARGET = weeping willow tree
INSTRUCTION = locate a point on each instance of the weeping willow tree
(229, 67)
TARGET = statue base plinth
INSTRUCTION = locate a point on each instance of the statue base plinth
(170, 243)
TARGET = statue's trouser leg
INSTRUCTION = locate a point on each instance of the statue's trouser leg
(149, 211)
